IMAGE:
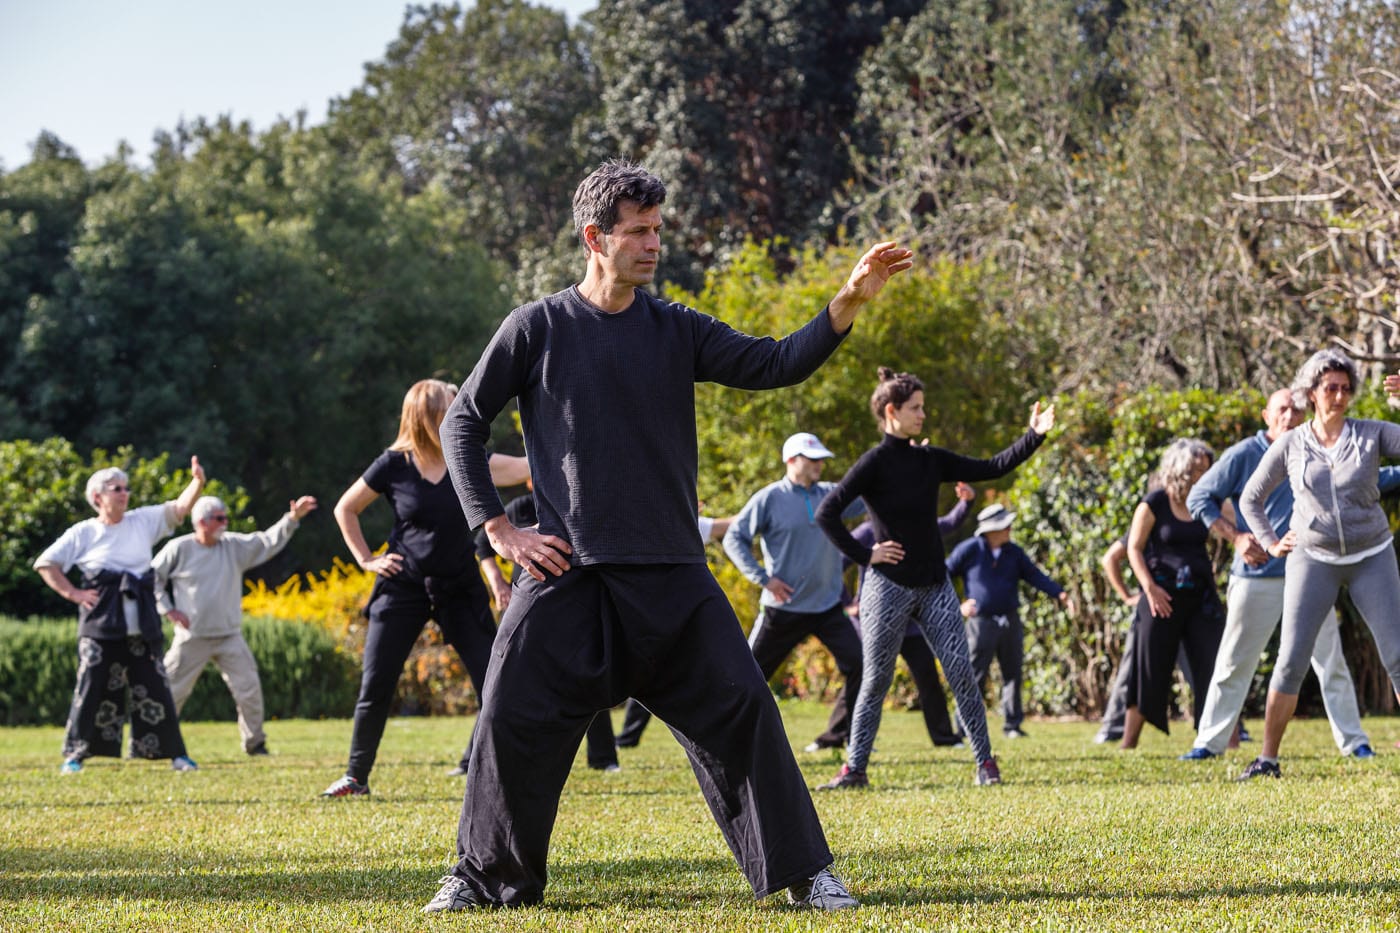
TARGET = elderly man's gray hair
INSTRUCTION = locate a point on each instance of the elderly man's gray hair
(1178, 461)
(205, 506)
(1318, 365)
(100, 479)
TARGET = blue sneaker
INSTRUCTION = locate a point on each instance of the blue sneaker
(183, 763)
(1197, 754)
(1363, 751)
(71, 766)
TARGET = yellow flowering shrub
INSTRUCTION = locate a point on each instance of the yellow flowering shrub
(334, 600)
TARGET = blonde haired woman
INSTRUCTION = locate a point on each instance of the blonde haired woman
(428, 571)
(1179, 605)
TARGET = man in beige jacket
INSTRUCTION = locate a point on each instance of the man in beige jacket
(199, 587)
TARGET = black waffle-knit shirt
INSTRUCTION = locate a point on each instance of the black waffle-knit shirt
(607, 403)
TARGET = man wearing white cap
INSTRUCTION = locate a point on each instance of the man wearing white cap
(800, 575)
(992, 569)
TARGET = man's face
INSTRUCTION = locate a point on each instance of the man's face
(805, 471)
(630, 253)
(1280, 415)
(214, 524)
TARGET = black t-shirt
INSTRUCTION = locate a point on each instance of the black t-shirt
(430, 530)
(1176, 552)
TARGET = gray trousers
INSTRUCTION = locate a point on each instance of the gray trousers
(190, 654)
(1000, 639)
(1254, 606)
(1310, 590)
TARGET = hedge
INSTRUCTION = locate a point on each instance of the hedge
(304, 674)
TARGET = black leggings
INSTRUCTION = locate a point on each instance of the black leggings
(398, 610)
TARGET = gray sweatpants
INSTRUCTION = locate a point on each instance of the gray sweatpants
(1310, 590)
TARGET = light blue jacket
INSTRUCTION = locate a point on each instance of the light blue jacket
(782, 516)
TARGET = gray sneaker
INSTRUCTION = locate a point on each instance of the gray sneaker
(455, 894)
(823, 892)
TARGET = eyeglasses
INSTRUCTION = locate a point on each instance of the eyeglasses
(117, 489)
(1335, 388)
(216, 518)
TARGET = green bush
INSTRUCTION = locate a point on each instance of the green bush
(41, 494)
(303, 673)
(933, 321)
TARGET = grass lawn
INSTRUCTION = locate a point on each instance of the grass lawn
(1079, 837)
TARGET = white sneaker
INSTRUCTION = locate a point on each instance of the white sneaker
(183, 763)
(455, 894)
(823, 892)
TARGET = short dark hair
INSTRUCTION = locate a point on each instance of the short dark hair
(894, 389)
(597, 196)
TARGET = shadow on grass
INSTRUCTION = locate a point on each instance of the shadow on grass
(115, 873)
(634, 884)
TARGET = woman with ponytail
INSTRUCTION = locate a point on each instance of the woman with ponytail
(899, 481)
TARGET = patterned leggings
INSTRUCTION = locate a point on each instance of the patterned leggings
(886, 609)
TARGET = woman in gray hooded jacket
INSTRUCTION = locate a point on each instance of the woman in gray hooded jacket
(1339, 536)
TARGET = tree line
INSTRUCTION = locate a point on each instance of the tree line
(1141, 193)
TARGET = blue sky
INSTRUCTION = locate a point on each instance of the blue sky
(96, 72)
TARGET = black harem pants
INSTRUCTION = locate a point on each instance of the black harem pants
(580, 643)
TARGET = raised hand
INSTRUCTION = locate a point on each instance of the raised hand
(300, 507)
(1042, 421)
(871, 272)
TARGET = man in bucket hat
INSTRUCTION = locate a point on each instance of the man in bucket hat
(992, 568)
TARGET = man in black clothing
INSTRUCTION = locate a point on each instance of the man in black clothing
(619, 602)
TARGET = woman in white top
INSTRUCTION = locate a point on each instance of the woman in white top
(120, 643)
(1338, 536)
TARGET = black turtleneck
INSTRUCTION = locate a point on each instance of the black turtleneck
(899, 482)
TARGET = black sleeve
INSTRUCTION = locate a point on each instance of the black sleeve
(380, 474)
(954, 467)
(829, 512)
(499, 376)
(731, 358)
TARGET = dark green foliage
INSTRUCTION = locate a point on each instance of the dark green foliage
(42, 493)
(483, 102)
(303, 674)
(255, 299)
(744, 108)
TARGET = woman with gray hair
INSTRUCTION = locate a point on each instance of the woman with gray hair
(1339, 535)
(1180, 605)
(119, 635)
